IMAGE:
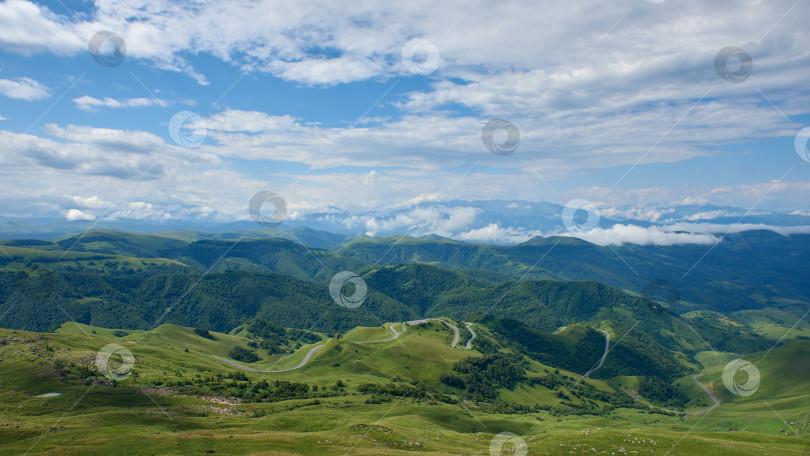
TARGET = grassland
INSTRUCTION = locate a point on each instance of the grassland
(147, 414)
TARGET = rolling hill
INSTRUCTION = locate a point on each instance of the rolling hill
(395, 397)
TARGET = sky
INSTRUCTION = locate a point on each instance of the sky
(176, 110)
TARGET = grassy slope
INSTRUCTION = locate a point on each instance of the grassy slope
(86, 261)
(103, 420)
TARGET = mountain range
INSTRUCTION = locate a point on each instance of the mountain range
(494, 221)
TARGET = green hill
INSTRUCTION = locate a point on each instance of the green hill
(739, 274)
(122, 243)
(384, 398)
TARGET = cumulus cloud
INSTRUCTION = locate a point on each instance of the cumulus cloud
(23, 89)
(657, 204)
(634, 85)
(88, 103)
(598, 98)
(98, 151)
(678, 233)
(27, 28)
(76, 214)
(233, 120)
(632, 234)
(418, 221)
(494, 233)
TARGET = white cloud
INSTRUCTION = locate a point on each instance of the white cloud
(593, 97)
(737, 228)
(417, 222)
(98, 151)
(2, 118)
(636, 213)
(707, 215)
(88, 103)
(496, 234)
(26, 28)
(432, 141)
(327, 71)
(677, 233)
(632, 234)
(643, 203)
(93, 202)
(622, 89)
(23, 89)
(76, 214)
(646, 47)
(232, 120)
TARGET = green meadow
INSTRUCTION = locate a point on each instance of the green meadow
(161, 409)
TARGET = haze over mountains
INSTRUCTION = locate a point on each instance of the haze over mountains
(272, 227)
(494, 222)
(555, 331)
(747, 271)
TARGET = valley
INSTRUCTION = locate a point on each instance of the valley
(248, 351)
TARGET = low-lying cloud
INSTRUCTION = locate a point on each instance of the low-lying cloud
(653, 235)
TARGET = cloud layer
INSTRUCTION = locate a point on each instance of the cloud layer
(23, 89)
(627, 84)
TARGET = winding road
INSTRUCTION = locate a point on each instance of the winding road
(707, 409)
(468, 346)
(604, 355)
(469, 341)
(694, 377)
(393, 330)
(714, 399)
(392, 327)
(456, 334)
(301, 364)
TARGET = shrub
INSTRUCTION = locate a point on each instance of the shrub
(243, 354)
(203, 333)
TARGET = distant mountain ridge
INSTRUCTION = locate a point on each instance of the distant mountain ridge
(491, 221)
(738, 273)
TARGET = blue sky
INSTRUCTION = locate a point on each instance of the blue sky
(328, 105)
